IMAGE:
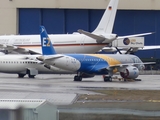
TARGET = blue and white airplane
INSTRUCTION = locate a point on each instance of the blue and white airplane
(89, 65)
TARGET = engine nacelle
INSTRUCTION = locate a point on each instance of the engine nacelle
(130, 72)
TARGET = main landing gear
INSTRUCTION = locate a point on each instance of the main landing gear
(22, 75)
(77, 78)
(32, 72)
(107, 78)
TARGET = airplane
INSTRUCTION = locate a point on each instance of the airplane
(26, 64)
(89, 65)
(79, 42)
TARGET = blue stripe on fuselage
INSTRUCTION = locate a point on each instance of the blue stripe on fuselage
(90, 64)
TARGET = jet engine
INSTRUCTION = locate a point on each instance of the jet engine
(130, 72)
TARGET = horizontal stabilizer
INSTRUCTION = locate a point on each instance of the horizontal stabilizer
(96, 37)
(107, 38)
(135, 35)
(49, 57)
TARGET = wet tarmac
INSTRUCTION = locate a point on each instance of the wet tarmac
(62, 90)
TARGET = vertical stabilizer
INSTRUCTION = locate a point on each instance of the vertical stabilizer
(47, 47)
(107, 21)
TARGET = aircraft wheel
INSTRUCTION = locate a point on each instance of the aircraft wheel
(80, 78)
(110, 78)
(21, 75)
(31, 76)
(77, 78)
(107, 79)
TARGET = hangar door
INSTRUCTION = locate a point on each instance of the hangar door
(56, 21)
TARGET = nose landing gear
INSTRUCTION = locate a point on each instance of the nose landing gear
(77, 78)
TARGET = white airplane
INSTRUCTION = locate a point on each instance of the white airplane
(26, 64)
(69, 43)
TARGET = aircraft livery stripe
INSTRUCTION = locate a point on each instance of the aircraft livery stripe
(109, 60)
(59, 45)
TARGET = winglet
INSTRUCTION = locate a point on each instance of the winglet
(46, 44)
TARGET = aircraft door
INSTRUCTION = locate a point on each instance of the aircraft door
(82, 46)
(67, 61)
(72, 64)
(82, 41)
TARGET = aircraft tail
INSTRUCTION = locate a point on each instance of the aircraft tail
(107, 21)
(47, 47)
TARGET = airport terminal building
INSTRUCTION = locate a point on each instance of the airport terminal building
(67, 16)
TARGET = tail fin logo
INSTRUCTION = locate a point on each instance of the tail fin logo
(110, 8)
(42, 30)
(46, 42)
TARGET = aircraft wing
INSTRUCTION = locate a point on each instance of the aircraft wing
(131, 64)
(17, 49)
(7, 46)
(25, 51)
(134, 49)
(123, 65)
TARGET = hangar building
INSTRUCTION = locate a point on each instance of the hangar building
(67, 16)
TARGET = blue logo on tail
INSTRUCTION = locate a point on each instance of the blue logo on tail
(46, 44)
